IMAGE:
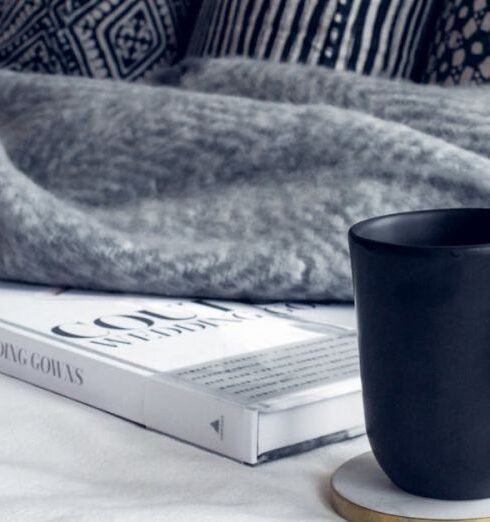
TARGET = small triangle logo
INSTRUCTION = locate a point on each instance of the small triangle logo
(215, 425)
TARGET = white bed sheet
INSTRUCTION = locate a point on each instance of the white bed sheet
(63, 460)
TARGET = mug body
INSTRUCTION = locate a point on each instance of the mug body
(422, 294)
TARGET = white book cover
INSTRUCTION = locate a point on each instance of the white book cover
(247, 381)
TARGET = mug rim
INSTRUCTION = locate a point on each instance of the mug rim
(355, 231)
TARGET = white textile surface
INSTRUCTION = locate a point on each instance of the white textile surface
(61, 460)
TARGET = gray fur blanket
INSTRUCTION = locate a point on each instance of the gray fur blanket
(235, 179)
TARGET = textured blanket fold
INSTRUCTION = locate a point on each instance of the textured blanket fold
(240, 182)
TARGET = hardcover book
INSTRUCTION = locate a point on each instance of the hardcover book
(252, 382)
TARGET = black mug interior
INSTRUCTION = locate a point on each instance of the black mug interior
(429, 228)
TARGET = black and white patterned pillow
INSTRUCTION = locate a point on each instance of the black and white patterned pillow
(460, 51)
(125, 39)
(369, 36)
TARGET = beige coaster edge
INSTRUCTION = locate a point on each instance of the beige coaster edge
(355, 513)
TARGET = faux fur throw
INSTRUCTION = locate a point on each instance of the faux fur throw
(240, 182)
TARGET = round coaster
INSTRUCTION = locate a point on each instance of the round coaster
(361, 492)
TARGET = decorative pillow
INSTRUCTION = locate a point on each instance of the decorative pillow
(124, 39)
(460, 52)
(368, 36)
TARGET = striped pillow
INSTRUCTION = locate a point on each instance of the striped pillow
(368, 36)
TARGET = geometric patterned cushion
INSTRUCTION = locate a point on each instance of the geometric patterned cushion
(460, 52)
(125, 39)
(380, 37)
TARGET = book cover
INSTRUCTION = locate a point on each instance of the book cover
(228, 376)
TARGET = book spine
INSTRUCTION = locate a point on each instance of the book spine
(73, 374)
(138, 395)
(202, 419)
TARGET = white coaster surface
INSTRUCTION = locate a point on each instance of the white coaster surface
(362, 482)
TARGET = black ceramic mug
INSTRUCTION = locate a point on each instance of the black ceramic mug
(422, 293)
